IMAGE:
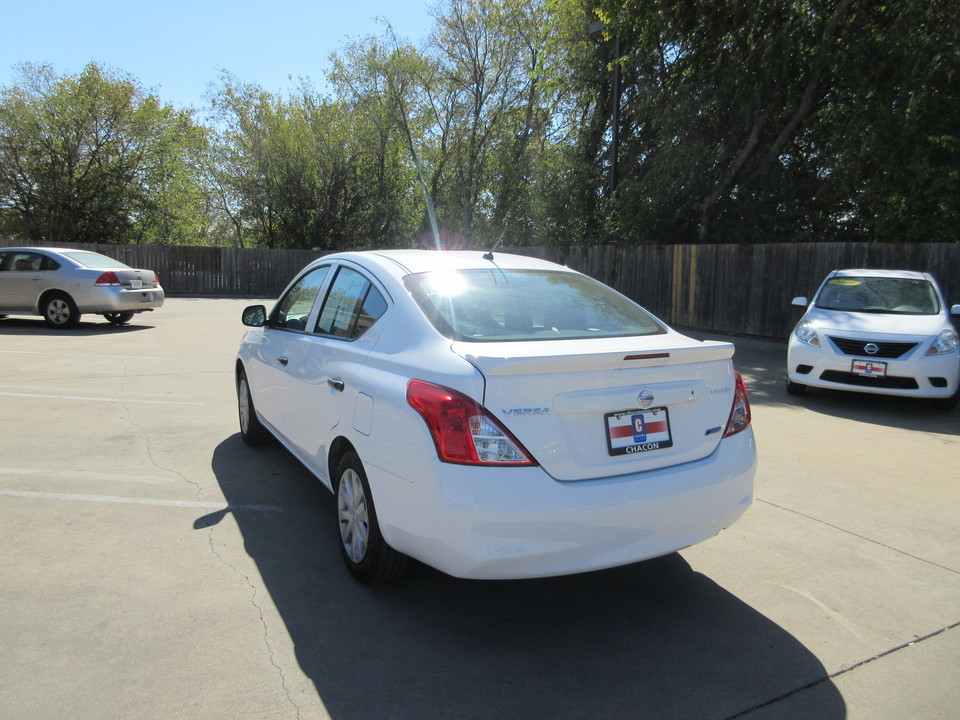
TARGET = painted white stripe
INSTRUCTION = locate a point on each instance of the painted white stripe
(57, 354)
(138, 501)
(123, 401)
(87, 476)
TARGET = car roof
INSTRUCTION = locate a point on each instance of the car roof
(400, 263)
(865, 272)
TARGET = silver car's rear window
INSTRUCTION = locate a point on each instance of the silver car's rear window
(890, 295)
(93, 260)
(496, 305)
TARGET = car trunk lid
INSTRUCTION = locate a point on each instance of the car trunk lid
(640, 403)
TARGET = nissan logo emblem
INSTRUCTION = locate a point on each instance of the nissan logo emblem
(645, 398)
(871, 348)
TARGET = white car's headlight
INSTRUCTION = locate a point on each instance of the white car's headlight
(806, 333)
(945, 342)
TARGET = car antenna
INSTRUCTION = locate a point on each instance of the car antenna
(489, 254)
(416, 161)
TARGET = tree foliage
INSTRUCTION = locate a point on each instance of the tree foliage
(91, 158)
(529, 122)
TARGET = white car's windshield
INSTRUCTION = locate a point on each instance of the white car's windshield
(897, 296)
(496, 305)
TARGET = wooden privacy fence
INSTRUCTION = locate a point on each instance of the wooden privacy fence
(729, 289)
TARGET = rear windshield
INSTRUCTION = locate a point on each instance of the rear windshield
(94, 260)
(497, 305)
(895, 296)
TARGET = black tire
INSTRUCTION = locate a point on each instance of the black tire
(59, 311)
(948, 403)
(251, 429)
(366, 554)
(119, 318)
(795, 388)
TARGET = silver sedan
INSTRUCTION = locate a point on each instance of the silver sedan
(62, 284)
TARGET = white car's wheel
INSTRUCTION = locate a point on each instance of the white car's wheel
(367, 555)
(251, 429)
(795, 388)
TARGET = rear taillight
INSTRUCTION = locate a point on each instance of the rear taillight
(740, 412)
(108, 278)
(463, 431)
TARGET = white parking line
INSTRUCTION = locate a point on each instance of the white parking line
(99, 399)
(87, 476)
(139, 501)
(60, 354)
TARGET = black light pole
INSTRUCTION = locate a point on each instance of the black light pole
(596, 28)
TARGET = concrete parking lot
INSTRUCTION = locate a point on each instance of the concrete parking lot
(153, 566)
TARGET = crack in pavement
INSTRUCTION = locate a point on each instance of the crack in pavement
(844, 671)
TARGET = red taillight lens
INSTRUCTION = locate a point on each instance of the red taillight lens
(740, 412)
(108, 278)
(463, 431)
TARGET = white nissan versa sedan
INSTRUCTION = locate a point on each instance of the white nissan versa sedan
(495, 416)
(877, 331)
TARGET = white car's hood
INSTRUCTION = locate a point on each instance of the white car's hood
(875, 324)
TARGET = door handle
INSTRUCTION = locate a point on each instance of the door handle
(282, 360)
(336, 384)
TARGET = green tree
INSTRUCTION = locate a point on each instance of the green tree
(91, 158)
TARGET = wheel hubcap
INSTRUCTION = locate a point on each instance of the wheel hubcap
(243, 396)
(354, 519)
(59, 312)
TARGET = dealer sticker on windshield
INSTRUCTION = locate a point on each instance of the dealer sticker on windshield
(638, 431)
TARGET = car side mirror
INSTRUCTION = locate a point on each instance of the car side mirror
(955, 311)
(799, 301)
(255, 316)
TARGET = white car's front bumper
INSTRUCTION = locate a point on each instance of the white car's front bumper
(915, 375)
(499, 523)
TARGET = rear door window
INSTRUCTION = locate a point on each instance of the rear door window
(351, 307)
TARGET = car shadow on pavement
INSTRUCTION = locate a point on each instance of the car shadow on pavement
(85, 328)
(656, 639)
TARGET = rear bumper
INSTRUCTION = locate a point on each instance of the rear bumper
(488, 523)
(113, 299)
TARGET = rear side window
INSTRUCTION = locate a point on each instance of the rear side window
(352, 305)
(497, 305)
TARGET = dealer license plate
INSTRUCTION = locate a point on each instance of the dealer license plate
(869, 368)
(638, 431)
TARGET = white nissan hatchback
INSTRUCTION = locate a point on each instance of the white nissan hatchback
(877, 331)
(495, 416)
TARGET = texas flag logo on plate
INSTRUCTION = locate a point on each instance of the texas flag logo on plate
(638, 431)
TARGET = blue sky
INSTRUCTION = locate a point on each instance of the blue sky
(176, 47)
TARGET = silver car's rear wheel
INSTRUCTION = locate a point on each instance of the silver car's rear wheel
(119, 318)
(59, 310)
(366, 553)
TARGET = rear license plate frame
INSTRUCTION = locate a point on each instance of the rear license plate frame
(637, 430)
